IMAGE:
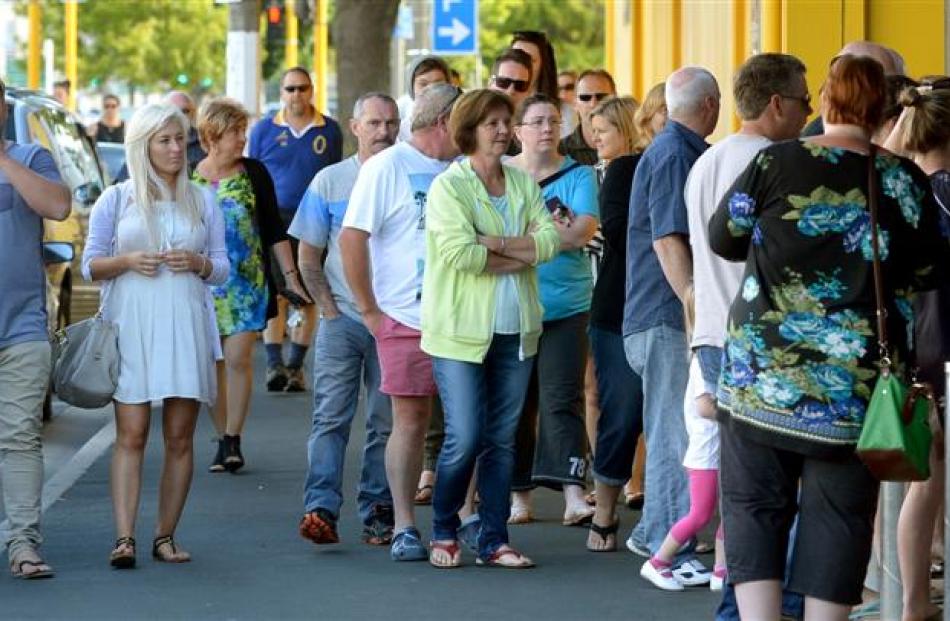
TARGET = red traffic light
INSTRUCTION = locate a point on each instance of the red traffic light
(273, 14)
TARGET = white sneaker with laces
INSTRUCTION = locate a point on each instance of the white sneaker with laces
(692, 573)
(661, 580)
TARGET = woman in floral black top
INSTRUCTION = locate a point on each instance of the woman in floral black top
(799, 361)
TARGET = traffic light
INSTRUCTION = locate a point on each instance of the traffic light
(274, 14)
(182, 78)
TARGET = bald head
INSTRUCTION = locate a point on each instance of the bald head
(183, 102)
(892, 62)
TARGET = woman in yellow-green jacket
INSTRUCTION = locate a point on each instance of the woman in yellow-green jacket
(486, 230)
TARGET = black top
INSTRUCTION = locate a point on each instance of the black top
(606, 310)
(104, 133)
(575, 146)
(932, 308)
(269, 224)
(800, 358)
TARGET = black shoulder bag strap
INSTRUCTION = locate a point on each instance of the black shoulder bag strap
(549, 180)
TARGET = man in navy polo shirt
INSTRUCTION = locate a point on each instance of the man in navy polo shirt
(659, 270)
(294, 144)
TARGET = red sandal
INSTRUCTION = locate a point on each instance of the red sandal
(451, 548)
(508, 558)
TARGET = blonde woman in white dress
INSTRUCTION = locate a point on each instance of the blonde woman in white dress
(156, 241)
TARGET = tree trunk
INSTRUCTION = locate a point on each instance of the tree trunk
(362, 30)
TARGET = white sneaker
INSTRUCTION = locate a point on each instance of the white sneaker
(664, 580)
(715, 583)
(633, 547)
(692, 573)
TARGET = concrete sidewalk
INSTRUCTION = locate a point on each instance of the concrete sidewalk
(249, 562)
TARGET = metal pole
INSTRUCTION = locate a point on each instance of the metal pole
(946, 497)
(290, 35)
(243, 54)
(892, 494)
(34, 14)
(71, 49)
(321, 53)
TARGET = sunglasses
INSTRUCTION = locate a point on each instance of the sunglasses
(942, 83)
(109, 106)
(588, 96)
(297, 88)
(805, 99)
(505, 83)
(566, 87)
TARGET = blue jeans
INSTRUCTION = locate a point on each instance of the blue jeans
(346, 353)
(660, 356)
(620, 396)
(482, 405)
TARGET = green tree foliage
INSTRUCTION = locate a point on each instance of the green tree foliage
(147, 44)
(574, 27)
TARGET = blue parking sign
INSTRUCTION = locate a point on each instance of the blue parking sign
(454, 27)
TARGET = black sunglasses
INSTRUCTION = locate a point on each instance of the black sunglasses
(939, 84)
(565, 87)
(297, 88)
(505, 83)
(589, 96)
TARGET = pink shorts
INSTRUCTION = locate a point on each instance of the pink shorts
(406, 370)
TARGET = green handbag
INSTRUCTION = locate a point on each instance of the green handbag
(895, 439)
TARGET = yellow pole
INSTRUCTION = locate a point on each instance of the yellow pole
(71, 49)
(321, 53)
(290, 36)
(34, 60)
(609, 38)
(772, 25)
(740, 41)
(676, 34)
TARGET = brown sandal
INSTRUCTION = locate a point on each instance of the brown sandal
(515, 559)
(161, 540)
(120, 559)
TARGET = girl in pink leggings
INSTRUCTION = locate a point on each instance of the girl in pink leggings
(702, 465)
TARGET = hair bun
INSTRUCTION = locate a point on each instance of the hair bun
(911, 97)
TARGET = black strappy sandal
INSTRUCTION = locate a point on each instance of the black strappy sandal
(603, 532)
(123, 560)
(158, 542)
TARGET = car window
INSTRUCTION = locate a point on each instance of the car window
(74, 157)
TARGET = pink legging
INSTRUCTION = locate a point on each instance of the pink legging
(703, 493)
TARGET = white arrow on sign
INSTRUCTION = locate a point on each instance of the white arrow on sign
(458, 31)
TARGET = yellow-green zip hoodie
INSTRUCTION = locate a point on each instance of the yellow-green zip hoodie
(458, 296)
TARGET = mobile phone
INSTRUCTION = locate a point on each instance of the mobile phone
(559, 211)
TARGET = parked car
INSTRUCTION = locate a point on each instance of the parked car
(37, 118)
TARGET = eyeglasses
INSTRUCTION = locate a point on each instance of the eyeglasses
(505, 83)
(805, 99)
(110, 106)
(297, 88)
(565, 87)
(540, 122)
(585, 97)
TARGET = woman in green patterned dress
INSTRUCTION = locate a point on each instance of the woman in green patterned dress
(245, 194)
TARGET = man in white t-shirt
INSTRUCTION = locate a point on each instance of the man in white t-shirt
(773, 103)
(385, 220)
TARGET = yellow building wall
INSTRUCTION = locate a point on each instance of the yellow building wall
(648, 39)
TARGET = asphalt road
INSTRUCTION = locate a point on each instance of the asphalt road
(249, 562)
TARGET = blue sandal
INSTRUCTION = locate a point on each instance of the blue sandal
(407, 546)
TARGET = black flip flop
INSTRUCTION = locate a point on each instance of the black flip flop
(603, 532)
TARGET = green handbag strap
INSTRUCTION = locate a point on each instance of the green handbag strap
(878, 276)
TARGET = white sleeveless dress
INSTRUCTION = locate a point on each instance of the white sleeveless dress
(162, 320)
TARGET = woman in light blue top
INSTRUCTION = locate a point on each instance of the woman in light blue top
(556, 456)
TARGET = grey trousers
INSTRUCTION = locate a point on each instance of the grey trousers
(24, 375)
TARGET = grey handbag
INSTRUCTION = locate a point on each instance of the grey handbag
(86, 362)
(86, 357)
